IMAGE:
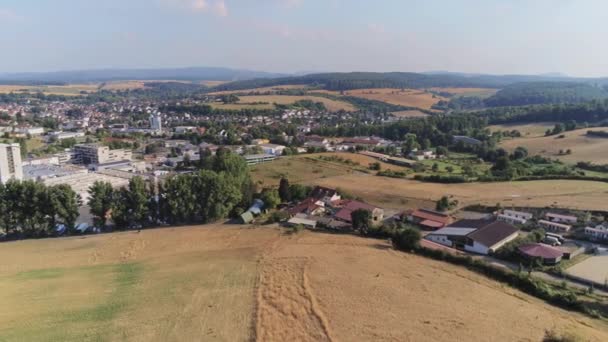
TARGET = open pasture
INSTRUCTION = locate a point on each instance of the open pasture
(582, 147)
(225, 283)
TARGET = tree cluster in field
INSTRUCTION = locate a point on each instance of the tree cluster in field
(600, 134)
(32, 209)
(220, 187)
(560, 128)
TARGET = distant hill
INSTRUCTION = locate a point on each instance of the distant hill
(363, 80)
(102, 75)
(531, 93)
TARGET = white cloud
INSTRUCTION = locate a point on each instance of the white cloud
(215, 7)
(219, 8)
(7, 15)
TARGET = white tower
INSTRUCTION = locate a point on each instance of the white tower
(10, 162)
(156, 122)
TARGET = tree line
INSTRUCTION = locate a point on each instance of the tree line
(219, 187)
(32, 209)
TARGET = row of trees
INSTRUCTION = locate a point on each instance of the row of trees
(32, 209)
(220, 188)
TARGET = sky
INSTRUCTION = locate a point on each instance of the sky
(474, 36)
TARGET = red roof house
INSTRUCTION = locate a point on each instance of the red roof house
(344, 214)
(428, 219)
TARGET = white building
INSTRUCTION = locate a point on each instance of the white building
(156, 123)
(273, 149)
(600, 232)
(97, 154)
(66, 135)
(561, 218)
(10, 162)
(514, 217)
(554, 226)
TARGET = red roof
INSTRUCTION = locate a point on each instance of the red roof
(431, 215)
(306, 206)
(539, 250)
(431, 224)
(345, 213)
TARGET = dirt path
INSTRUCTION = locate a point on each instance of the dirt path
(287, 308)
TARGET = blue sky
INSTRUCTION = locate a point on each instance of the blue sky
(486, 36)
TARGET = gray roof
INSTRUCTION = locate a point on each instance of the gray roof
(493, 233)
(451, 231)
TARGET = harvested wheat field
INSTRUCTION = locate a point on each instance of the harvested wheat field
(583, 147)
(400, 193)
(479, 92)
(174, 284)
(262, 89)
(403, 97)
(226, 283)
(321, 287)
(527, 130)
(268, 101)
(410, 114)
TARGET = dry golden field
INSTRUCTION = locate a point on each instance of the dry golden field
(481, 92)
(402, 193)
(584, 148)
(262, 89)
(67, 90)
(530, 130)
(410, 114)
(227, 283)
(269, 100)
(406, 97)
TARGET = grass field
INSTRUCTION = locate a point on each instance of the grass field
(584, 148)
(223, 283)
(530, 130)
(267, 101)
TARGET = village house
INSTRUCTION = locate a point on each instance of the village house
(325, 195)
(554, 226)
(428, 219)
(514, 217)
(348, 207)
(422, 155)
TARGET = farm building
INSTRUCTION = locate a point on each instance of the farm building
(549, 255)
(488, 239)
(450, 236)
(514, 217)
(554, 226)
(476, 236)
(599, 232)
(558, 218)
(428, 219)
